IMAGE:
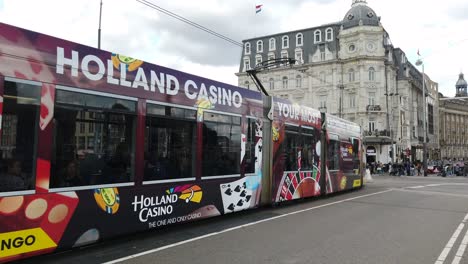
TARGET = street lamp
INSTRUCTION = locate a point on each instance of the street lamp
(419, 62)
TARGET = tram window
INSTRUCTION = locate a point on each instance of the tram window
(308, 158)
(170, 143)
(21, 106)
(293, 144)
(221, 144)
(334, 155)
(356, 162)
(249, 158)
(101, 155)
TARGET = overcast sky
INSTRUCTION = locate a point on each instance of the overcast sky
(437, 28)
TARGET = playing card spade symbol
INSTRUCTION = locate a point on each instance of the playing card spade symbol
(248, 198)
(242, 194)
(244, 185)
(231, 207)
(228, 191)
(237, 189)
(240, 203)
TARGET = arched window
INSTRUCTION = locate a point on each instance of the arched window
(285, 82)
(298, 81)
(317, 36)
(247, 48)
(285, 42)
(299, 39)
(351, 75)
(329, 34)
(272, 83)
(371, 74)
(259, 46)
(272, 44)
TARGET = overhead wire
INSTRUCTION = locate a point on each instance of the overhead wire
(189, 22)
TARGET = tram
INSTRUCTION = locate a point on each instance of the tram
(96, 145)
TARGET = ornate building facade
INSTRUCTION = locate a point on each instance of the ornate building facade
(349, 69)
(454, 123)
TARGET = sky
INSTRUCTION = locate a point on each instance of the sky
(436, 28)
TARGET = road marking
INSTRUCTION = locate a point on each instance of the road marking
(239, 227)
(443, 255)
(433, 185)
(461, 248)
(417, 187)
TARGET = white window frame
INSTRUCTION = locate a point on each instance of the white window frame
(351, 75)
(272, 44)
(299, 39)
(260, 46)
(371, 98)
(284, 54)
(271, 82)
(323, 101)
(285, 82)
(371, 126)
(322, 56)
(298, 81)
(271, 56)
(258, 59)
(283, 40)
(317, 36)
(371, 74)
(298, 56)
(329, 32)
(352, 101)
(246, 64)
(247, 48)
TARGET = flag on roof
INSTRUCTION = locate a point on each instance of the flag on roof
(418, 53)
(258, 8)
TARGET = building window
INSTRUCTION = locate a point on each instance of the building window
(430, 113)
(322, 56)
(246, 64)
(317, 36)
(113, 157)
(323, 101)
(371, 98)
(352, 101)
(329, 34)
(299, 39)
(299, 57)
(20, 122)
(271, 56)
(272, 84)
(285, 82)
(272, 44)
(351, 75)
(284, 54)
(322, 77)
(371, 74)
(247, 48)
(258, 59)
(371, 126)
(285, 42)
(298, 81)
(259, 46)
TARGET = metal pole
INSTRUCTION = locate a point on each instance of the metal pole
(424, 124)
(99, 30)
(323, 155)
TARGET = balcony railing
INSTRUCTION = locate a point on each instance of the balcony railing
(377, 133)
(373, 108)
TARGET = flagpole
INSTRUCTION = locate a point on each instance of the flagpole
(99, 30)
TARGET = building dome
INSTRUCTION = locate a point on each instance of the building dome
(360, 11)
(461, 83)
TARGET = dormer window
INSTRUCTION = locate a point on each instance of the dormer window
(247, 48)
(285, 41)
(299, 39)
(259, 46)
(317, 36)
(272, 44)
(329, 34)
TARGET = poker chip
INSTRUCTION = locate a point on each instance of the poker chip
(107, 199)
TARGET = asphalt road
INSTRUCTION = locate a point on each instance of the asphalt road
(391, 220)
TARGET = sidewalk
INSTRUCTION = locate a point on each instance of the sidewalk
(429, 175)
